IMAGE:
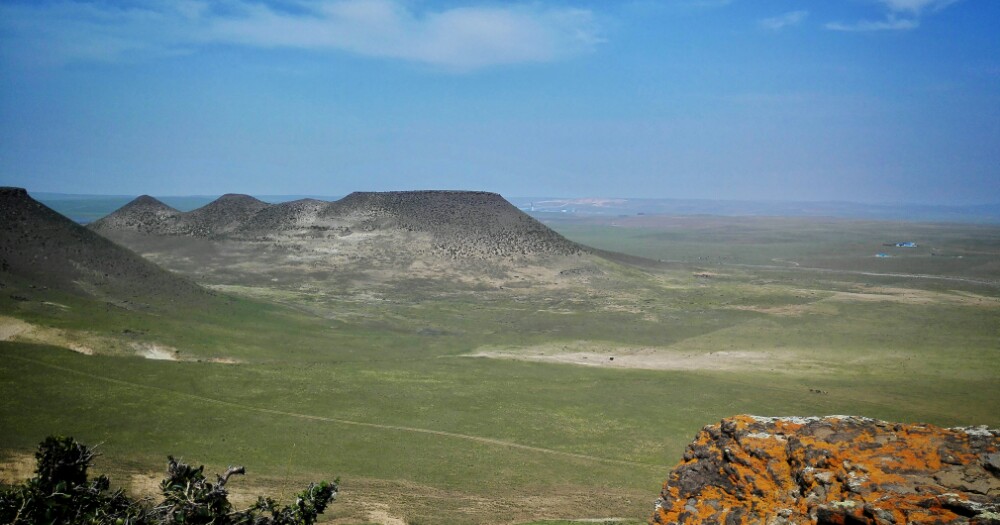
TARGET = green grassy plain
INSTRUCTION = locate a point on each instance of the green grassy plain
(392, 390)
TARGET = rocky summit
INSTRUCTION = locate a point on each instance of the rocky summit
(834, 470)
(144, 214)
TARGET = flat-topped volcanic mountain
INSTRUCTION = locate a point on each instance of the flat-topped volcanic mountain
(40, 247)
(382, 235)
(463, 223)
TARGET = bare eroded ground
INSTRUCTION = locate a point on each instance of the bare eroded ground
(594, 353)
(87, 343)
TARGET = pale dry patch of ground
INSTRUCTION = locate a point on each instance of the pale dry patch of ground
(80, 349)
(144, 485)
(242, 492)
(11, 328)
(16, 467)
(384, 501)
(787, 310)
(156, 351)
(86, 343)
(917, 297)
(398, 502)
(887, 295)
(224, 360)
(591, 353)
(379, 513)
(827, 304)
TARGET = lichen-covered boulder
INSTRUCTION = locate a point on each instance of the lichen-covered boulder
(834, 470)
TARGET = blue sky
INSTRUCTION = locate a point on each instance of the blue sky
(856, 100)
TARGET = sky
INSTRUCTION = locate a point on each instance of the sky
(888, 101)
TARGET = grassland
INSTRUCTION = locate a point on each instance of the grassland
(471, 405)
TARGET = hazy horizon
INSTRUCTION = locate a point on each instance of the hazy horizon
(292, 196)
(84, 208)
(872, 101)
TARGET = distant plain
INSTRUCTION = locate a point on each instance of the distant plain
(440, 403)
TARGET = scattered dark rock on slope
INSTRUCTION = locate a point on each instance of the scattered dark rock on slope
(148, 215)
(834, 470)
(41, 247)
(144, 214)
(463, 223)
(300, 214)
(222, 215)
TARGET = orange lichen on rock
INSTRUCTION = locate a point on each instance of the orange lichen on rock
(841, 470)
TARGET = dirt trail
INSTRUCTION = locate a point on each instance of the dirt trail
(400, 428)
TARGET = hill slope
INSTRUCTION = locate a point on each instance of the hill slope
(145, 214)
(45, 249)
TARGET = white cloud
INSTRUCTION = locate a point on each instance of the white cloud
(456, 38)
(701, 3)
(889, 24)
(901, 15)
(463, 37)
(916, 6)
(776, 23)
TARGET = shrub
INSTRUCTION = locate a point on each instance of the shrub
(60, 493)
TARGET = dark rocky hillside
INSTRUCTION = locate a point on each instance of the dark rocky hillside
(282, 217)
(145, 214)
(221, 216)
(149, 216)
(47, 250)
(462, 223)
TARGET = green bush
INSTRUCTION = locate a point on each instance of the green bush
(60, 493)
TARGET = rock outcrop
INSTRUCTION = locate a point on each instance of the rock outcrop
(834, 470)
